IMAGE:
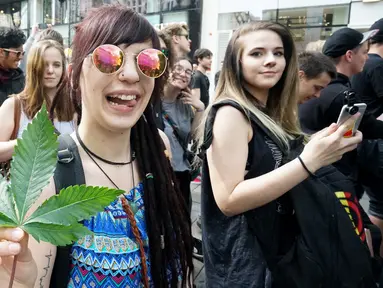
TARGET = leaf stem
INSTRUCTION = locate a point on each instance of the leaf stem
(13, 272)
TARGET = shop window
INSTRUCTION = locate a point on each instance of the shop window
(172, 5)
(325, 16)
(303, 36)
(14, 15)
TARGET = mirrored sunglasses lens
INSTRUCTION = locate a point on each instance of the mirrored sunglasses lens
(152, 62)
(108, 59)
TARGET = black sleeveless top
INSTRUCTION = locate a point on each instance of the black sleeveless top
(232, 254)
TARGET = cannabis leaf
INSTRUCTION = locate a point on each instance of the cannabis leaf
(33, 164)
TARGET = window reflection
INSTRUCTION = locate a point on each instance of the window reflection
(14, 15)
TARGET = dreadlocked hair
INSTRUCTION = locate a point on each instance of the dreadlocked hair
(165, 209)
(136, 233)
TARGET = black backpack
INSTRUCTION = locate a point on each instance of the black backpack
(69, 171)
(326, 251)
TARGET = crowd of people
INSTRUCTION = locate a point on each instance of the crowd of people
(281, 183)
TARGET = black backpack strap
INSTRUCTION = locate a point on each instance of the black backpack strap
(69, 172)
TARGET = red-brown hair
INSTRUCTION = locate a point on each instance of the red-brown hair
(165, 210)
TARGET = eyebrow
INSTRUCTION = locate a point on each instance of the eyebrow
(263, 48)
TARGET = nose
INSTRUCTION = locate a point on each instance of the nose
(269, 59)
(129, 72)
(50, 69)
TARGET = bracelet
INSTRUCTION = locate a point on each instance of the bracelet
(199, 110)
(305, 167)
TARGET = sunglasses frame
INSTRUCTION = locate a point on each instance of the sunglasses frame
(18, 53)
(124, 60)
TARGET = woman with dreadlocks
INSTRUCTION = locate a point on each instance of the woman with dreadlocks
(143, 238)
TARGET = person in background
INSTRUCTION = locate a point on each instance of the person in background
(315, 46)
(369, 83)
(165, 44)
(315, 73)
(348, 49)
(12, 78)
(200, 82)
(37, 35)
(180, 41)
(46, 82)
(182, 112)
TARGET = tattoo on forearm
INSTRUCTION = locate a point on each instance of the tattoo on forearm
(46, 268)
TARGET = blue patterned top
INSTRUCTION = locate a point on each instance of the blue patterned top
(111, 257)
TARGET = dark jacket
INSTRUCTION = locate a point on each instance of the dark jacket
(11, 82)
(321, 112)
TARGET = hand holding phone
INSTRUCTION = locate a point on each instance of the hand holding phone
(347, 112)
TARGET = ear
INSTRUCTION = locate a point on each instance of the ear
(301, 75)
(348, 56)
(176, 39)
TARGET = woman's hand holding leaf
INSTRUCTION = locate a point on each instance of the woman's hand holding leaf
(55, 221)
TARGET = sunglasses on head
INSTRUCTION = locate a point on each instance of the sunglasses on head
(110, 59)
(18, 53)
(186, 36)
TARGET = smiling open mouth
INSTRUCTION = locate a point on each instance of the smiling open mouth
(122, 100)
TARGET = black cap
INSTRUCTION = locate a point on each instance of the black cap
(343, 40)
(378, 25)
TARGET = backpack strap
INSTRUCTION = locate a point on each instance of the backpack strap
(69, 172)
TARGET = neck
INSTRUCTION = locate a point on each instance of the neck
(51, 93)
(344, 69)
(376, 49)
(110, 145)
(201, 69)
(171, 93)
(260, 94)
(178, 53)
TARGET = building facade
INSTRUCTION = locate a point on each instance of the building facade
(64, 14)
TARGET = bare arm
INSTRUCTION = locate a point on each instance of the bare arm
(227, 161)
(7, 126)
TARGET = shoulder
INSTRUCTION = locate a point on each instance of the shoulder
(9, 104)
(231, 121)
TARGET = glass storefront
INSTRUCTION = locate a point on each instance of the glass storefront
(311, 23)
(14, 14)
(63, 14)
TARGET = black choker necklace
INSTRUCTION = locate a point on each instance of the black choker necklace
(132, 158)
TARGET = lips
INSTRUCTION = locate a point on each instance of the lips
(122, 102)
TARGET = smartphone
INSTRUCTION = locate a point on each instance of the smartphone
(347, 112)
(43, 26)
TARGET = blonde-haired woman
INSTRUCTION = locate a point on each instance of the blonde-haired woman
(259, 75)
(46, 82)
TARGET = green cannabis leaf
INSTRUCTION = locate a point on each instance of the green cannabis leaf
(57, 220)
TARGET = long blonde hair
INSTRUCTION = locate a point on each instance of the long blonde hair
(281, 118)
(33, 95)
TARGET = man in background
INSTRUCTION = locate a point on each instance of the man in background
(180, 43)
(12, 79)
(200, 82)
